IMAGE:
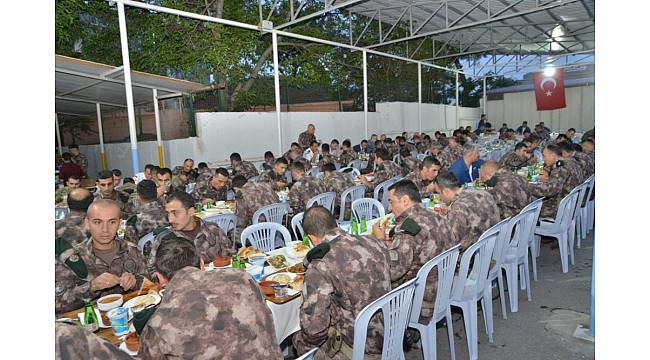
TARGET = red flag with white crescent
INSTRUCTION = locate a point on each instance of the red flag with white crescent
(549, 90)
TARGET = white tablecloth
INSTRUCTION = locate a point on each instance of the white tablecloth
(286, 317)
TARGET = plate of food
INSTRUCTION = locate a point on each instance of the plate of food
(138, 303)
(298, 268)
(248, 251)
(293, 281)
(298, 250)
(278, 261)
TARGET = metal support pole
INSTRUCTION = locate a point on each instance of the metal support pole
(457, 99)
(420, 95)
(127, 86)
(365, 94)
(58, 134)
(484, 97)
(100, 128)
(156, 111)
(276, 82)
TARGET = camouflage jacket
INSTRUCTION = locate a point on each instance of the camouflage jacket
(448, 155)
(470, 214)
(304, 139)
(511, 193)
(82, 161)
(271, 177)
(76, 342)
(204, 175)
(421, 147)
(346, 157)
(590, 135)
(327, 159)
(204, 190)
(191, 176)
(512, 161)
(410, 165)
(421, 184)
(178, 183)
(210, 315)
(387, 170)
(255, 195)
(352, 274)
(61, 195)
(408, 251)
(123, 201)
(150, 216)
(392, 148)
(303, 190)
(586, 163)
(129, 188)
(70, 289)
(72, 228)
(558, 186)
(210, 241)
(575, 171)
(246, 169)
(338, 183)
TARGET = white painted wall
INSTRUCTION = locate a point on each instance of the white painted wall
(521, 106)
(251, 134)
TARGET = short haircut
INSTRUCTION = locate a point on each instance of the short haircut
(447, 180)
(148, 167)
(571, 129)
(347, 143)
(408, 188)
(164, 171)
(504, 124)
(235, 156)
(295, 144)
(562, 136)
(404, 152)
(174, 254)
(554, 149)
(313, 142)
(587, 141)
(429, 161)
(186, 199)
(334, 142)
(239, 181)
(329, 167)
(80, 204)
(298, 166)
(325, 147)
(73, 146)
(525, 122)
(105, 174)
(222, 171)
(382, 154)
(117, 172)
(74, 176)
(577, 147)
(364, 141)
(268, 154)
(202, 165)
(455, 133)
(318, 221)
(534, 137)
(156, 168)
(186, 160)
(147, 190)
(281, 160)
(66, 156)
(468, 148)
(520, 145)
(565, 146)
(128, 180)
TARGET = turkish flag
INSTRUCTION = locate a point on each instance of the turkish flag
(549, 90)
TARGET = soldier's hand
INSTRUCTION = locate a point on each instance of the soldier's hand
(433, 187)
(280, 185)
(127, 281)
(364, 180)
(201, 263)
(104, 281)
(378, 231)
(205, 201)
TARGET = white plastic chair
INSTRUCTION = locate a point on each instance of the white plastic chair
(396, 309)
(368, 208)
(254, 178)
(309, 355)
(227, 223)
(350, 170)
(421, 157)
(397, 158)
(263, 235)
(587, 215)
(469, 288)
(560, 226)
(272, 213)
(60, 213)
(382, 188)
(582, 209)
(325, 199)
(576, 220)
(190, 187)
(591, 208)
(314, 172)
(144, 240)
(445, 263)
(495, 271)
(355, 164)
(296, 225)
(354, 193)
(533, 245)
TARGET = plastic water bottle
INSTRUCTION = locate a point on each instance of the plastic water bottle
(355, 227)
(364, 225)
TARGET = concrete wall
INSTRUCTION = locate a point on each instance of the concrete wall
(251, 134)
(521, 106)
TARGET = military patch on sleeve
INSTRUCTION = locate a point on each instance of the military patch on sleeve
(411, 227)
(393, 255)
(132, 220)
(73, 262)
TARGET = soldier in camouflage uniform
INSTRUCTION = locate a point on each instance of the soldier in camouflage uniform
(208, 238)
(304, 188)
(386, 169)
(420, 235)
(128, 186)
(347, 154)
(572, 164)
(180, 181)
(294, 147)
(76, 342)
(206, 315)
(517, 158)
(336, 182)
(555, 181)
(107, 191)
(510, 191)
(250, 197)
(583, 161)
(590, 135)
(471, 212)
(345, 274)
(187, 168)
(326, 157)
(61, 194)
(306, 137)
(244, 168)
(204, 173)
(269, 160)
(408, 163)
(73, 227)
(275, 176)
(425, 174)
(451, 153)
(78, 158)
(99, 266)
(149, 216)
(214, 189)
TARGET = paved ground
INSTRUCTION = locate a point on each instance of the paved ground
(543, 328)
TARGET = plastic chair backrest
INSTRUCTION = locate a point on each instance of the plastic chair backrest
(445, 262)
(526, 221)
(287, 176)
(414, 154)
(144, 240)
(309, 355)
(315, 171)
(427, 153)
(396, 308)
(582, 192)
(590, 189)
(351, 171)
(190, 187)
(272, 213)
(504, 229)
(254, 178)
(325, 199)
(421, 157)
(226, 222)
(355, 164)
(564, 214)
(370, 208)
(397, 158)
(296, 225)
(262, 235)
(382, 188)
(354, 193)
(481, 252)
(60, 212)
